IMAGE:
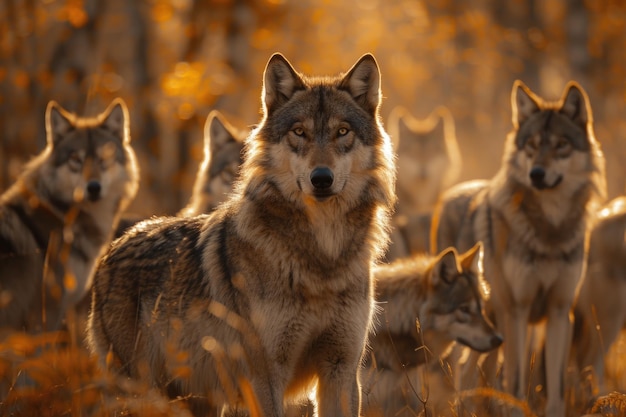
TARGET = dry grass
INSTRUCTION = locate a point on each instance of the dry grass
(52, 374)
(49, 375)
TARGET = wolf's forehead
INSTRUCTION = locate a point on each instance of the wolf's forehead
(88, 141)
(324, 103)
(422, 141)
(550, 125)
(458, 292)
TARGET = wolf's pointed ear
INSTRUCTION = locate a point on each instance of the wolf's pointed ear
(576, 104)
(523, 102)
(445, 268)
(217, 132)
(473, 259)
(115, 119)
(363, 83)
(280, 81)
(58, 122)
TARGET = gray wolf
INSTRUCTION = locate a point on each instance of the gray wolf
(599, 312)
(429, 162)
(59, 215)
(426, 303)
(533, 217)
(223, 146)
(271, 294)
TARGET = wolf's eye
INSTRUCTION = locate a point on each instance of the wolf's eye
(299, 131)
(75, 162)
(465, 309)
(106, 162)
(562, 144)
(227, 175)
(343, 131)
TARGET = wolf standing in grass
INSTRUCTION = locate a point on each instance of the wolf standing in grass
(60, 213)
(272, 292)
(533, 218)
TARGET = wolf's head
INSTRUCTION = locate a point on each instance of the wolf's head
(223, 146)
(455, 303)
(428, 155)
(553, 144)
(320, 141)
(88, 160)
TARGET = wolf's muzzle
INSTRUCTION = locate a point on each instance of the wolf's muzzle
(322, 178)
(538, 179)
(93, 190)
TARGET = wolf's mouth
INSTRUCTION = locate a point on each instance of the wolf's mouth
(481, 349)
(542, 185)
(322, 196)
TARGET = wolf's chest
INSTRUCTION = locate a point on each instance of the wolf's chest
(529, 276)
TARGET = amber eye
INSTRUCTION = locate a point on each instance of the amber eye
(227, 175)
(298, 131)
(562, 144)
(343, 131)
(106, 162)
(75, 161)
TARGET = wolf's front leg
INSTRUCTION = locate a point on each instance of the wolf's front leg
(558, 343)
(338, 391)
(338, 361)
(515, 350)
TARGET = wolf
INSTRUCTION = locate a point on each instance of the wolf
(59, 215)
(223, 146)
(426, 304)
(270, 294)
(429, 162)
(533, 218)
(599, 311)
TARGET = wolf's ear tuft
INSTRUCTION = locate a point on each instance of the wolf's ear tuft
(473, 259)
(363, 83)
(115, 119)
(445, 268)
(58, 122)
(280, 81)
(576, 104)
(217, 132)
(523, 103)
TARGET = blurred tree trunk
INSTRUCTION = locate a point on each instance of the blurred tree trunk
(521, 16)
(577, 40)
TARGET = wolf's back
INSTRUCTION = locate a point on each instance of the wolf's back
(139, 266)
(452, 224)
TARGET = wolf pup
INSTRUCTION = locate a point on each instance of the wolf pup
(270, 294)
(533, 218)
(223, 145)
(60, 213)
(428, 162)
(426, 304)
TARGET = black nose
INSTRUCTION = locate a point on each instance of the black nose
(496, 340)
(322, 178)
(93, 190)
(537, 175)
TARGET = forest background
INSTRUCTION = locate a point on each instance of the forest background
(173, 61)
